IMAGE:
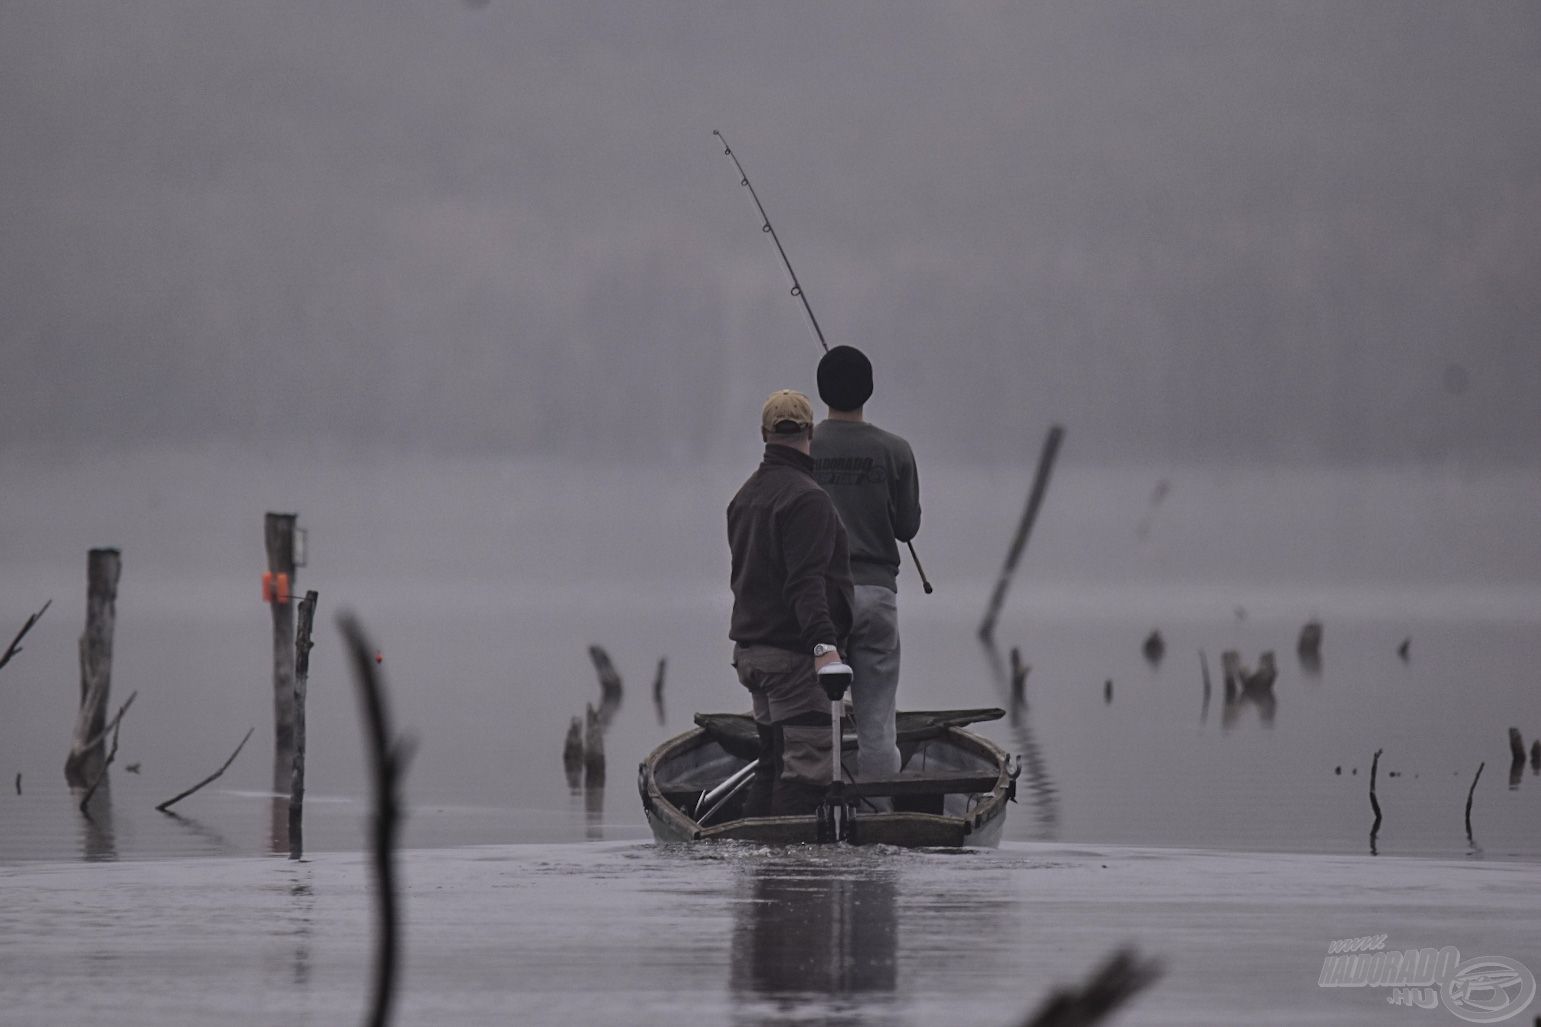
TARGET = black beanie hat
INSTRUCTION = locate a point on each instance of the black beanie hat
(845, 378)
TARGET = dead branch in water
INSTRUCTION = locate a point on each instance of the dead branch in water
(609, 684)
(388, 757)
(1024, 529)
(15, 646)
(1123, 976)
(1374, 803)
(1471, 792)
(163, 807)
(663, 662)
(101, 775)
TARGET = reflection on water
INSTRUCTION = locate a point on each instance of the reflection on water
(1038, 786)
(98, 839)
(1240, 696)
(813, 940)
(215, 841)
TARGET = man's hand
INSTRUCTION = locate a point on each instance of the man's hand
(820, 662)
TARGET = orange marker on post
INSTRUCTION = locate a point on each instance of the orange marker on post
(267, 586)
(281, 588)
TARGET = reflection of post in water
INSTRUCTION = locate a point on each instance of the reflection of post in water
(303, 918)
(1245, 688)
(278, 830)
(807, 933)
(594, 809)
(1042, 796)
(98, 840)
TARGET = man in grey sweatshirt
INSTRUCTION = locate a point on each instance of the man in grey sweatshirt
(870, 474)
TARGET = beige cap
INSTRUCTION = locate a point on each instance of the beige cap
(786, 412)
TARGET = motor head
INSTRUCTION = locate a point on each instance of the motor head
(835, 678)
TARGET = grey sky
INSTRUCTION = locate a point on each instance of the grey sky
(1250, 231)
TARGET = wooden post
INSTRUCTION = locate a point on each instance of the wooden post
(1019, 542)
(84, 763)
(302, 647)
(278, 533)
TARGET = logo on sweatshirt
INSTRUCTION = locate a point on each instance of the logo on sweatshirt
(849, 470)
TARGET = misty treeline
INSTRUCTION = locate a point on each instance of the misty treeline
(1196, 232)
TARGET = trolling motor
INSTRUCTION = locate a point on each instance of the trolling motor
(836, 816)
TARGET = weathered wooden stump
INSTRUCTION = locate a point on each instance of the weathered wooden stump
(302, 647)
(572, 753)
(1310, 640)
(1154, 647)
(593, 748)
(85, 760)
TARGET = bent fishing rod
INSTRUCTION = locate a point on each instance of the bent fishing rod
(799, 293)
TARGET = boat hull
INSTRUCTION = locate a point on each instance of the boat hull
(692, 762)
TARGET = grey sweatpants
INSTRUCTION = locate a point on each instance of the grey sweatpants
(873, 654)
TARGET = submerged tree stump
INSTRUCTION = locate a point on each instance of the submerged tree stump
(85, 760)
(1310, 641)
(593, 748)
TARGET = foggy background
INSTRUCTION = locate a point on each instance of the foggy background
(1201, 231)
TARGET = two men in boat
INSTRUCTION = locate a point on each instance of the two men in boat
(870, 474)
(813, 535)
(792, 608)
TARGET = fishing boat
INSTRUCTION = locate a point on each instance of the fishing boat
(952, 789)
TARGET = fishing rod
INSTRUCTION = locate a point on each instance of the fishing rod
(797, 291)
(797, 287)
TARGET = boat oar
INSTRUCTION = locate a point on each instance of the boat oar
(723, 791)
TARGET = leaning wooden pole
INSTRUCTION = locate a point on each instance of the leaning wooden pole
(278, 588)
(84, 763)
(388, 757)
(302, 646)
(1025, 528)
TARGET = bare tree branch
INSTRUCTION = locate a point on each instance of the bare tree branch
(15, 646)
(388, 756)
(165, 806)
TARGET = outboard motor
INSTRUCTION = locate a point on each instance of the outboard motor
(836, 815)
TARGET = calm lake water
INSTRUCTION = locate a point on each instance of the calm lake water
(483, 583)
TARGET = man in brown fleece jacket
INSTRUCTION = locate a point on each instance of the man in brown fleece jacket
(792, 598)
